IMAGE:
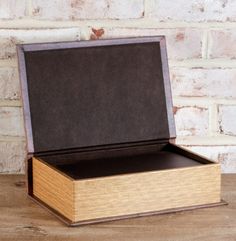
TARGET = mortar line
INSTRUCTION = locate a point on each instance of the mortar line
(12, 139)
(84, 33)
(29, 8)
(202, 101)
(10, 103)
(208, 63)
(217, 140)
(148, 4)
(121, 23)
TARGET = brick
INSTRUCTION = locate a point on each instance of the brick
(228, 162)
(199, 82)
(11, 121)
(78, 9)
(191, 120)
(181, 43)
(10, 9)
(225, 155)
(9, 38)
(222, 43)
(193, 11)
(227, 117)
(9, 83)
(13, 156)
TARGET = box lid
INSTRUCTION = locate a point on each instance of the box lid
(95, 93)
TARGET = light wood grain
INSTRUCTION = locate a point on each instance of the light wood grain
(53, 188)
(146, 192)
(128, 194)
(21, 219)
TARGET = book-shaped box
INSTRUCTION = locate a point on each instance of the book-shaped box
(100, 132)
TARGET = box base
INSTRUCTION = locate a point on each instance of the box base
(114, 194)
(109, 219)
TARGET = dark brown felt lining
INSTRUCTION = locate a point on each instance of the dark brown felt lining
(125, 165)
(82, 95)
(160, 157)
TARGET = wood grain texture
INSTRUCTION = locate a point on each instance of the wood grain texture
(146, 192)
(53, 188)
(21, 219)
(97, 198)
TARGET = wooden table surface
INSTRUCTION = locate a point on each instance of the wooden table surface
(22, 219)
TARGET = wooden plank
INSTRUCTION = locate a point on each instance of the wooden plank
(21, 219)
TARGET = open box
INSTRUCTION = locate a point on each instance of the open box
(100, 132)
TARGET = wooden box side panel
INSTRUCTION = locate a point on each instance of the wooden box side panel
(53, 188)
(147, 192)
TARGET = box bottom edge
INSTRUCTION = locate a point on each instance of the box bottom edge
(107, 219)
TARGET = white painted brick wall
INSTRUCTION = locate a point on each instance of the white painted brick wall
(222, 43)
(227, 117)
(11, 9)
(11, 121)
(89, 9)
(9, 38)
(182, 43)
(191, 120)
(194, 11)
(203, 82)
(13, 154)
(9, 83)
(201, 44)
